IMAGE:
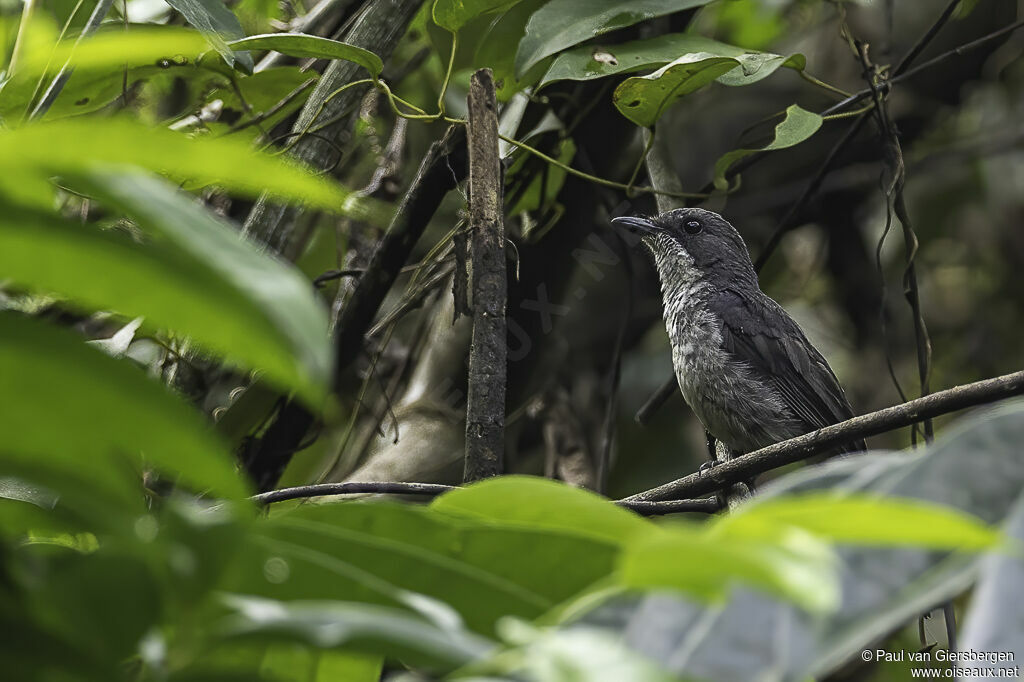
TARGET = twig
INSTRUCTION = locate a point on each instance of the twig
(796, 449)
(485, 405)
(927, 38)
(958, 51)
(378, 27)
(861, 95)
(704, 506)
(322, 489)
(274, 110)
(788, 221)
(433, 180)
(654, 403)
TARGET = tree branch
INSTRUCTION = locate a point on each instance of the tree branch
(378, 27)
(704, 506)
(485, 406)
(440, 171)
(796, 449)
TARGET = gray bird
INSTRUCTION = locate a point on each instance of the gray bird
(743, 365)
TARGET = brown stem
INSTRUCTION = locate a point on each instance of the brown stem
(485, 407)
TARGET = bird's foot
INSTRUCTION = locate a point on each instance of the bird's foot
(707, 466)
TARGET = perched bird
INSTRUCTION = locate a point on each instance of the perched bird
(743, 365)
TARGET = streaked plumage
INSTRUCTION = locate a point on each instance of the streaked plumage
(743, 365)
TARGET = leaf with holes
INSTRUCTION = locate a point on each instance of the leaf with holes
(798, 125)
(563, 23)
(642, 99)
(595, 61)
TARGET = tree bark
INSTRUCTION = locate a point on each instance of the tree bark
(485, 409)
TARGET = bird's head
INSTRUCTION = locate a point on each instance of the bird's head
(694, 244)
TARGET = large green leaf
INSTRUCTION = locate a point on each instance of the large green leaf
(100, 59)
(642, 99)
(497, 50)
(69, 403)
(229, 298)
(76, 146)
(990, 625)
(247, 305)
(974, 467)
(114, 49)
(558, 655)
(219, 24)
(302, 45)
(368, 628)
(454, 14)
(563, 23)
(543, 503)
(596, 61)
(798, 125)
(789, 563)
(381, 553)
(867, 520)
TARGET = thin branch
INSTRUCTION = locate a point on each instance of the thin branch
(369, 487)
(654, 403)
(800, 448)
(485, 402)
(703, 506)
(927, 38)
(789, 220)
(432, 182)
(957, 51)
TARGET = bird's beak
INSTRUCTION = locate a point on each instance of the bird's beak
(636, 225)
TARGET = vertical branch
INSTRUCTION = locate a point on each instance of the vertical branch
(664, 179)
(485, 409)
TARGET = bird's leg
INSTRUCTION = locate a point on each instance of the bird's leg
(712, 459)
(738, 492)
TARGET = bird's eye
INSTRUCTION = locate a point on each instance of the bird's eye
(693, 226)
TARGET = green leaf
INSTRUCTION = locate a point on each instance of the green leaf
(543, 503)
(102, 602)
(563, 23)
(259, 310)
(596, 61)
(871, 520)
(577, 653)
(302, 45)
(140, 46)
(78, 146)
(381, 553)
(798, 125)
(454, 14)
(98, 64)
(66, 403)
(497, 50)
(196, 277)
(787, 562)
(642, 99)
(348, 665)
(365, 628)
(219, 24)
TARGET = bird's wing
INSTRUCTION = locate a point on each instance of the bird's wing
(757, 331)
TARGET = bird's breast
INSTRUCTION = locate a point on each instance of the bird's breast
(735, 406)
